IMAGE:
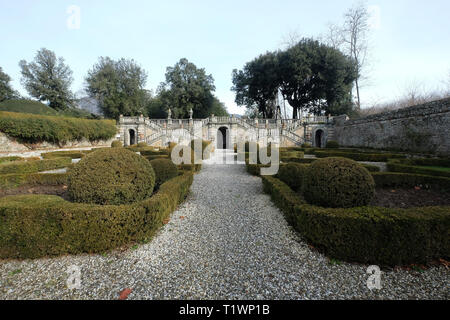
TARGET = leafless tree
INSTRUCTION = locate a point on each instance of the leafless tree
(355, 39)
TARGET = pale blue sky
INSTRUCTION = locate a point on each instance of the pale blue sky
(410, 45)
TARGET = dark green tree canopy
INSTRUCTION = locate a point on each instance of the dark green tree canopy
(256, 86)
(118, 86)
(316, 78)
(187, 87)
(311, 76)
(48, 78)
(6, 90)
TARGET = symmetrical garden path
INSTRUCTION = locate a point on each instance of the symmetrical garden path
(227, 241)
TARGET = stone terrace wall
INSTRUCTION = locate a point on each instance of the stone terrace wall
(422, 128)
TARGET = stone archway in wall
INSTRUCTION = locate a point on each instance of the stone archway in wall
(132, 137)
(223, 138)
(319, 140)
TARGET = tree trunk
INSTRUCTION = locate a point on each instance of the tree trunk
(357, 95)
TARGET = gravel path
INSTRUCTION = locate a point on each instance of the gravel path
(227, 241)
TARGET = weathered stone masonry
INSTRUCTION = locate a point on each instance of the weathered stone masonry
(422, 128)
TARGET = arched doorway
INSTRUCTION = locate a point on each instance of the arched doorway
(318, 138)
(223, 138)
(132, 135)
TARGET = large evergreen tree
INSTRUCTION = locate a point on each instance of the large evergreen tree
(6, 90)
(48, 78)
(256, 86)
(118, 86)
(187, 87)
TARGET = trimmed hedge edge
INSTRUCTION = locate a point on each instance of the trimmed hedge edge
(34, 226)
(371, 235)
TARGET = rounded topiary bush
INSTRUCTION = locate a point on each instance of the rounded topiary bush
(116, 144)
(142, 145)
(111, 176)
(338, 183)
(293, 174)
(164, 169)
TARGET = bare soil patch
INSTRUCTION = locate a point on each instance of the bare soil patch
(409, 197)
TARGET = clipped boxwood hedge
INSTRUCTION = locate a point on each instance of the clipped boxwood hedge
(396, 166)
(64, 154)
(34, 226)
(9, 181)
(331, 144)
(293, 174)
(11, 159)
(18, 167)
(116, 144)
(371, 235)
(31, 128)
(159, 156)
(338, 183)
(164, 169)
(372, 157)
(112, 176)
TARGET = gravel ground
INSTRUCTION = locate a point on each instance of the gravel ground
(227, 241)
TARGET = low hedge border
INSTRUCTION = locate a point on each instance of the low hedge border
(10, 181)
(396, 166)
(159, 156)
(371, 235)
(34, 166)
(34, 226)
(373, 157)
(11, 159)
(64, 154)
(410, 180)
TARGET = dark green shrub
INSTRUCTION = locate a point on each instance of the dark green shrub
(293, 174)
(32, 128)
(332, 144)
(111, 176)
(18, 167)
(306, 145)
(371, 235)
(190, 167)
(35, 226)
(338, 183)
(116, 144)
(164, 169)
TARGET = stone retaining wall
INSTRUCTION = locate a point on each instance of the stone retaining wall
(422, 128)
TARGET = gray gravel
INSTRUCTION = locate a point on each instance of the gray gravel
(227, 241)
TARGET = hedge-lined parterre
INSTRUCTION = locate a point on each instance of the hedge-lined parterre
(34, 226)
(419, 166)
(410, 180)
(111, 176)
(372, 235)
(373, 157)
(338, 183)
